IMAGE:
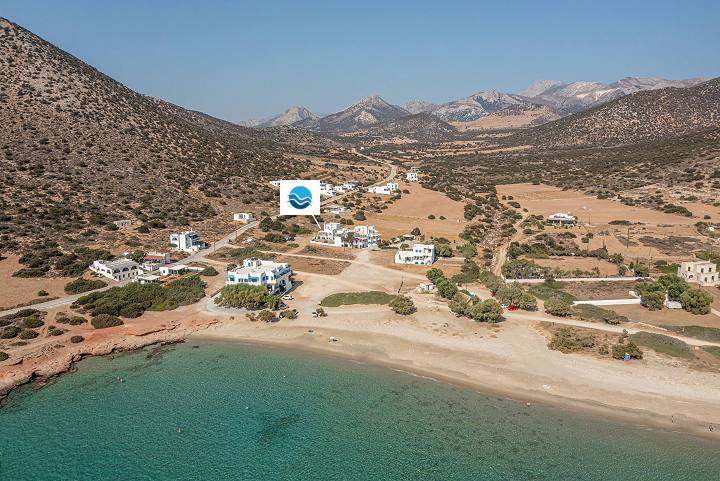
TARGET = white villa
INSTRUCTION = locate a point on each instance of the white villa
(275, 183)
(359, 236)
(121, 269)
(561, 218)
(335, 209)
(387, 189)
(700, 272)
(155, 260)
(244, 217)
(329, 190)
(411, 176)
(256, 272)
(420, 254)
(188, 241)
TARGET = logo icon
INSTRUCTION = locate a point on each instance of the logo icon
(300, 197)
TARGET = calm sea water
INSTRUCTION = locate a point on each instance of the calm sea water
(226, 411)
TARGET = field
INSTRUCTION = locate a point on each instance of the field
(585, 291)
(17, 290)
(582, 263)
(413, 209)
(314, 266)
(666, 317)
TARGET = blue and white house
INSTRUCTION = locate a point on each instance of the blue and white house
(420, 254)
(275, 276)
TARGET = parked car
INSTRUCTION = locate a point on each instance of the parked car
(287, 297)
(504, 306)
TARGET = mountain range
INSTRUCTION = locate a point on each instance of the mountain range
(542, 101)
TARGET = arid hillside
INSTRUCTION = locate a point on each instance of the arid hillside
(643, 116)
(79, 150)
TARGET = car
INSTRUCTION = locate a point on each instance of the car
(504, 306)
(314, 313)
(287, 297)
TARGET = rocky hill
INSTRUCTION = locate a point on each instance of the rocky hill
(79, 150)
(360, 115)
(642, 116)
(422, 127)
(290, 116)
(477, 106)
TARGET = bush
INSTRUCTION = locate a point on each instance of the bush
(402, 305)
(267, 316)
(43, 293)
(663, 344)
(289, 314)
(28, 334)
(4, 356)
(485, 311)
(27, 272)
(516, 296)
(71, 321)
(245, 296)
(321, 312)
(446, 288)
(102, 321)
(349, 298)
(359, 215)
(33, 322)
(435, 274)
(569, 339)
(696, 301)
(80, 285)
(558, 307)
(9, 332)
(653, 300)
(620, 349)
(588, 312)
(209, 271)
(77, 339)
(54, 331)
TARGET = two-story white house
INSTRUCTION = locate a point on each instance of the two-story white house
(699, 272)
(245, 217)
(388, 189)
(275, 276)
(155, 260)
(335, 209)
(121, 269)
(411, 176)
(359, 236)
(363, 236)
(327, 189)
(420, 254)
(188, 241)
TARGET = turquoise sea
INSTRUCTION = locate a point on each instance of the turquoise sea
(221, 411)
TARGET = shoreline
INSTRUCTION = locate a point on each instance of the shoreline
(637, 418)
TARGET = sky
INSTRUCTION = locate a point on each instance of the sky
(251, 59)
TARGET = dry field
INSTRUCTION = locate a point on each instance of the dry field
(16, 290)
(586, 291)
(412, 211)
(335, 252)
(386, 258)
(583, 263)
(671, 317)
(314, 266)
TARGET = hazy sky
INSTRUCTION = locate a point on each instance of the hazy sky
(239, 60)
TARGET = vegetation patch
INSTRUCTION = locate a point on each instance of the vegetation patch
(663, 344)
(102, 321)
(714, 350)
(77, 339)
(81, 285)
(711, 334)
(134, 299)
(248, 297)
(4, 356)
(570, 339)
(349, 298)
(402, 305)
(551, 289)
(588, 312)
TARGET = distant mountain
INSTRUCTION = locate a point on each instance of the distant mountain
(512, 117)
(477, 106)
(367, 112)
(642, 116)
(289, 117)
(422, 127)
(417, 106)
(578, 96)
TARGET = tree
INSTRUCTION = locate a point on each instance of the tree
(435, 275)
(273, 301)
(267, 316)
(696, 301)
(485, 311)
(242, 295)
(558, 307)
(674, 285)
(402, 305)
(359, 215)
(641, 270)
(209, 271)
(459, 304)
(516, 296)
(415, 231)
(443, 250)
(469, 250)
(446, 288)
(630, 348)
(653, 300)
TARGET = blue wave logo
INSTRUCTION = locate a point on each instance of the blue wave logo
(300, 197)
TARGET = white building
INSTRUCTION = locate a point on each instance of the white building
(561, 218)
(700, 272)
(188, 241)
(411, 176)
(244, 217)
(420, 254)
(274, 276)
(121, 269)
(122, 222)
(387, 189)
(155, 260)
(275, 183)
(359, 236)
(335, 209)
(327, 189)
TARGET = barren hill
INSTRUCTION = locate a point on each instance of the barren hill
(80, 150)
(642, 116)
(422, 127)
(360, 115)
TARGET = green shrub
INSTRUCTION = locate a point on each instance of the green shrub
(558, 307)
(242, 295)
(289, 314)
(551, 289)
(516, 296)
(101, 321)
(569, 339)
(446, 288)
(80, 285)
(321, 312)
(71, 321)
(621, 348)
(588, 312)
(435, 274)
(711, 334)
(350, 298)
(33, 322)
(43, 293)
(9, 332)
(28, 334)
(77, 339)
(485, 311)
(209, 271)
(22, 313)
(402, 305)
(266, 316)
(696, 301)
(653, 300)
(55, 331)
(4, 356)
